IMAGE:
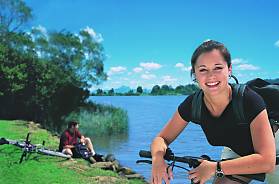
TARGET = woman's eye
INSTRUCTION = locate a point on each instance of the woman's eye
(202, 70)
(218, 68)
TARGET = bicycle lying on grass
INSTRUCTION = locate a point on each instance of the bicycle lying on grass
(194, 162)
(28, 148)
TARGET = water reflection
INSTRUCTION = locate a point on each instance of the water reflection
(106, 143)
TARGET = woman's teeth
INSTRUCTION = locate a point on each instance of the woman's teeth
(212, 83)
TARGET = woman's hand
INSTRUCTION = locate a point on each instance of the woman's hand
(159, 171)
(203, 172)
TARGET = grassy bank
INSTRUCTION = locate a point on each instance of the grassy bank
(45, 169)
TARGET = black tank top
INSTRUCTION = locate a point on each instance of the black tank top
(225, 130)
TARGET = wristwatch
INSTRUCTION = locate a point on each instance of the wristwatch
(219, 173)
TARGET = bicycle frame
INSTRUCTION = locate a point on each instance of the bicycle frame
(28, 148)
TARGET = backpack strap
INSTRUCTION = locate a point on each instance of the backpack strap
(237, 102)
(196, 106)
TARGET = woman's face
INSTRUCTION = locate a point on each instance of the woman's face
(212, 72)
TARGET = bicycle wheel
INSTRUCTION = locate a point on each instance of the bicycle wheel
(52, 153)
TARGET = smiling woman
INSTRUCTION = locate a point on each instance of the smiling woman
(252, 142)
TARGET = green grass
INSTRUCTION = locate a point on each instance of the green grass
(44, 169)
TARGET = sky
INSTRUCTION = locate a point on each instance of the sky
(150, 42)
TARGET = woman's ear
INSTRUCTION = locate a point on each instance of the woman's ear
(230, 70)
(194, 77)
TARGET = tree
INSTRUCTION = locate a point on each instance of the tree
(165, 89)
(155, 90)
(111, 92)
(99, 92)
(187, 89)
(180, 89)
(44, 76)
(139, 90)
(80, 56)
(13, 15)
(130, 93)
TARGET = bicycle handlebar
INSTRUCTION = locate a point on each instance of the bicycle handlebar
(194, 162)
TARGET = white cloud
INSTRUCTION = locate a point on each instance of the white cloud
(168, 78)
(116, 70)
(276, 43)
(247, 67)
(179, 65)
(187, 68)
(237, 61)
(115, 83)
(183, 67)
(96, 36)
(134, 83)
(241, 64)
(41, 28)
(125, 79)
(137, 69)
(148, 76)
(150, 66)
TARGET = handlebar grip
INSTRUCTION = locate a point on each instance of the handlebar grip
(146, 154)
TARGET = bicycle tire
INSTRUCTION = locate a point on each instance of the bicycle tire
(52, 153)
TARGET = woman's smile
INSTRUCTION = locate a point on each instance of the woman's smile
(212, 84)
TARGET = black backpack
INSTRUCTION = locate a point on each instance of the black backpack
(82, 151)
(269, 92)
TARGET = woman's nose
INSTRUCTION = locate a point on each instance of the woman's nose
(211, 73)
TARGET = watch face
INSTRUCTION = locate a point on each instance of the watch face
(219, 174)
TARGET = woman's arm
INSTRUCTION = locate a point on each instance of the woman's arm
(168, 134)
(263, 160)
(159, 146)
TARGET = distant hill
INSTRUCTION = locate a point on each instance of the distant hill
(125, 89)
(122, 89)
(146, 90)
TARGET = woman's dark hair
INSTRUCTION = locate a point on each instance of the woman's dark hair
(208, 46)
(72, 123)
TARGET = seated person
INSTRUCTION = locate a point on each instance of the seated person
(69, 139)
